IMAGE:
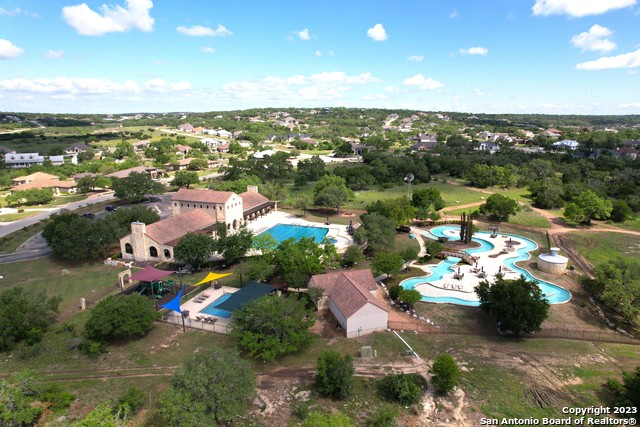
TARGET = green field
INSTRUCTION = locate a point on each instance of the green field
(599, 248)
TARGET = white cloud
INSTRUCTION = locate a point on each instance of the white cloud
(377, 33)
(423, 83)
(200, 31)
(8, 50)
(207, 49)
(54, 54)
(632, 72)
(477, 50)
(110, 19)
(578, 8)
(595, 39)
(318, 53)
(160, 85)
(625, 60)
(321, 86)
(633, 105)
(374, 97)
(389, 89)
(478, 92)
(17, 11)
(454, 14)
(416, 58)
(330, 52)
(304, 34)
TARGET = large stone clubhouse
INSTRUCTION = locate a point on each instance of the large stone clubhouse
(193, 211)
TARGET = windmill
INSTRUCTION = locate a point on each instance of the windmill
(409, 179)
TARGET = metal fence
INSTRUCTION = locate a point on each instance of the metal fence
(559, 333)
(201, 325)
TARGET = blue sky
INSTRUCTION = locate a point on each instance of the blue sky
(483, 56)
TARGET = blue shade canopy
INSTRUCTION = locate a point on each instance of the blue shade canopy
(174, 304)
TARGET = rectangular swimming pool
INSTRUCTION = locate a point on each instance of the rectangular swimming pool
(213, 311)
(282, 232)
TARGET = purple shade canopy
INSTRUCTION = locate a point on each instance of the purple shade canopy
(150, 274)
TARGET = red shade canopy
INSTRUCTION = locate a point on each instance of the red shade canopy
(149, 274)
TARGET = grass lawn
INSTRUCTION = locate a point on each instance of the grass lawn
(10, 243)
(631, 224)
(403, 241)
(71, 281)
(599, 248)
(17, 216)
(530, 218)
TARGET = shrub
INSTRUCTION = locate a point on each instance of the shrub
(383, 417)
(134, 318)
(130, 402)
(34, 336)
(93, 348)
(57, 397)
(403, 388)
(445, 374)
(334, 374)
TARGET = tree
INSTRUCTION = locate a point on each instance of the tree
(212, 387)
(304, 202)
(297, 261)
(198, 165)
(135, 187)
(233, 247)
(547, 193)
(627, 393)
(617, 284)
(124, 150)
(408, 255)
(185, 179)
(499, 207)
(587, 206)
(310, 169)
(18, 406)
(399, 210)
(621, 211)
(90, 183)
(410, 296)
(194, 249)
(334, 374)
(265, 243)
(331, 191)
(255, 268)
(272, 326)
(23, 312)
(34, 196)
(517, 305)
(352, 256)
(120, 220)
(76, 238)
(445, 374)
(101, 416)
(387, 262)
(427, 201)
(377, 232)
(403, 388)
(120, 317)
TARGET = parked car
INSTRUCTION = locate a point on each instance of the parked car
(88, 215)
(111, 208)
(403, 229)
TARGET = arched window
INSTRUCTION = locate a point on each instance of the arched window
(167, 253)
(235, 224)
(128, 248)
(153, 252)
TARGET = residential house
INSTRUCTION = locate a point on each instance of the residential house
(37, 176)
(224, 148)
(351, 298)
(58, 160)
(179, 165)
(211, 142)
(77, 177)
(568, 144)
(629, 152)
(423, 146)
(76, 148)
(262, 154)
(154, 172)
(490, 146)
(23, 160)
(223, 133)
(4, 151)
(484, 135)
(186, 127)
(40, 180)
(141, 145)
(182, 149)
(554, 133)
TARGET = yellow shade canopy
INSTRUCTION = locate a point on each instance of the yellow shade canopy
(212, 276)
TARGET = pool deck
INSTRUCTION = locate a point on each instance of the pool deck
(449, 286)
(336, 231)
(210, 295)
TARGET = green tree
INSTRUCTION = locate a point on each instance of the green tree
(22, 312)
(90, 183)
(352, 256)
(377, 232)
(427, 201)
(76, 238)
(310, 169)
(587, 206)
(194, 249)
(124, 150)
(18, 406)
(213, 387)
(406, 389)
(410, 296)
(265, 243)
(34, 196)
(304, 202)
(297, 261)
(135, 187)
(233, 247)
(101, 416)
(627, 393)
(517, 305)
(387, 262)
(198, 165)
(239, 185)
(255, 268)
(331, 192)
(408, 255)
(120, 221)
(399, 210)
(617, 284)
(499, 207)
(621, 211)
(547, 193)
(334, 374)
(270, 327)
(185, 179)
(445, 374)
(134, 318)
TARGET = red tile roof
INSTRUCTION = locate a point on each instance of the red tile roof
(202, 196)
(175, 227)
(251, 199)
(349, 290)
(126, 172)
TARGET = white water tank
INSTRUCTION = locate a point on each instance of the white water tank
(552, 262)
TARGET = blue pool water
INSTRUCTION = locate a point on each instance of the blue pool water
(555, 294)
(283, 232)
(213, 311)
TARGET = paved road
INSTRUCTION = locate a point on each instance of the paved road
(35, 247)
(17, 225)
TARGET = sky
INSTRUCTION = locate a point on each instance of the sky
(477, 56)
